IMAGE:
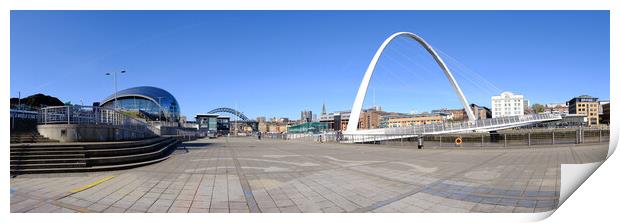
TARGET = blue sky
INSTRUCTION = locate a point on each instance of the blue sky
(277, 63)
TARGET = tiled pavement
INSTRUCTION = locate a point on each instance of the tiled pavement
(246, 175)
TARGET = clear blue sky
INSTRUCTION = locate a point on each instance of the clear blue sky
(277, 63)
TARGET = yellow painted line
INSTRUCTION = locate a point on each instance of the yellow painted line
(91, 184)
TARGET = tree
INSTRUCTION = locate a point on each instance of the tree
(538, 108)
(36, 101)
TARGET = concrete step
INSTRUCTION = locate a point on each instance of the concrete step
(19, 135)
(47, 165)
(45, 156)
(108, 152)
(73, 158)
(29, 137)
(47, 152)
(92, 145)
(87, 169)
(49, 161)
(93, 152)
(17, 149)
(34, 141)
(159, 151)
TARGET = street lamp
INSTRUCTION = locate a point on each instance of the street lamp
(115, 86)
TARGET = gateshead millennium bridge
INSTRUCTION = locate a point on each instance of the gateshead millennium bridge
(471, 125)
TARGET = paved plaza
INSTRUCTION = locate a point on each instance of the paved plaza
(247, 175)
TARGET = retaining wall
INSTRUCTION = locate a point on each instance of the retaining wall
(91, 133)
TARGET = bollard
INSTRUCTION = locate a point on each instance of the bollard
(552, 137)
(420, 142)
(529, 139)
(505, 140)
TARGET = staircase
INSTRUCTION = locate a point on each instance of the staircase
(29, 137)
(81, 157)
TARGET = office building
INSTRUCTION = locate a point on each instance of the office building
(585, 105)
(507, 104)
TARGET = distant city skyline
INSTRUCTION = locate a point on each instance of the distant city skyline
(279, 63)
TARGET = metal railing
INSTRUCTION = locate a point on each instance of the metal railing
(191, 134)
(505, 139)
(24, 114)
(510, 138)
(90, 115)
(468, 125)
(304, 137)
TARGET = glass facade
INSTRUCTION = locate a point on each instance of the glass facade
(223, 125)
(309, 127)
(146, 101)
(213, 124)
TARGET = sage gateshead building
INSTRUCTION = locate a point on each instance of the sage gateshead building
(150, 103)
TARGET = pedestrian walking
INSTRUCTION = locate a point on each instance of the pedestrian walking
(338, 135)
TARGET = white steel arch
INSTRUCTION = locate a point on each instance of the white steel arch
(361, 93)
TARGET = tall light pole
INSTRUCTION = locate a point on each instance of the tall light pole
(115, 87)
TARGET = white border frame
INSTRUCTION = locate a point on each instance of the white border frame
(596, 200)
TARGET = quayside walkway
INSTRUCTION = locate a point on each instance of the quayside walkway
(247, 175)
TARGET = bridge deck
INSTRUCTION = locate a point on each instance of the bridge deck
(485, 125)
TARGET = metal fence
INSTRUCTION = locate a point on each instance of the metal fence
(90, 115)
(26, 120)
(303, 137)
(187, 135)
(506, 139)
(23, 114)
(502, 139)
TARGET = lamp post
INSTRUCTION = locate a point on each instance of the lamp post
(115, 86)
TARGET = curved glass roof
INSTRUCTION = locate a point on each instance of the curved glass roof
(154, 94)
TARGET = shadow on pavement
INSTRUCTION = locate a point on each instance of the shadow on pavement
(195, 145)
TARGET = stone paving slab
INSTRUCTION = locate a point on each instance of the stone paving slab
(241, 175)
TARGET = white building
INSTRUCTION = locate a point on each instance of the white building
(507, 104)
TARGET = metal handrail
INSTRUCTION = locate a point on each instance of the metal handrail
(23, 114)
(77, 114)
(468, 125)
